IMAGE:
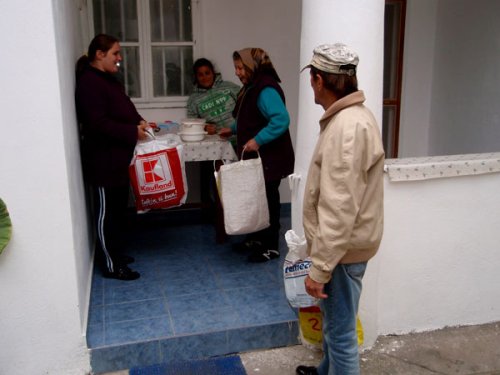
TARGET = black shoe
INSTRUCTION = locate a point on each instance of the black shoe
(306, 370)
(125, 259)
(122, 273)
(247, 246)
(263, 256)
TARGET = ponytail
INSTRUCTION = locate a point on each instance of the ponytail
(82, 63)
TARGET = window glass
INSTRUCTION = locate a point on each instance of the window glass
(388, 129)
(170, 20)
(129, 73)
(156, 37)
(391, 35)
(117, 18)
(187, 26)
(172, 71)
(393, 70)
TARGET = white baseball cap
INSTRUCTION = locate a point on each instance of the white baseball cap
(330, 57)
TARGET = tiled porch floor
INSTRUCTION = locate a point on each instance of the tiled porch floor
(194, 299)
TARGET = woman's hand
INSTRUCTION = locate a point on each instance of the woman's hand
(251, 145)
(141, 130)
(210, 129)
(225, 132)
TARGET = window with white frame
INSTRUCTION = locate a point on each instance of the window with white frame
(157, 42)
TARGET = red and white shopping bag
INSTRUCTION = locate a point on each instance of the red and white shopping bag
(157, 174)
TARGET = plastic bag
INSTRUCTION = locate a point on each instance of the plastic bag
(310, 327)
(157, 173)
(242, 193)
(311, 323)
(295, 269)
(168, 127)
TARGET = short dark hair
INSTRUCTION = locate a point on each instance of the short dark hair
(198, 64)
(340, 84)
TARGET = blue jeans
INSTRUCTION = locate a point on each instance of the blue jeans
(340, 340)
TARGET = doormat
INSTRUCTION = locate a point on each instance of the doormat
(213, 366)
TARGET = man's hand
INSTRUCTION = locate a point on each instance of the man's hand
(314, 288)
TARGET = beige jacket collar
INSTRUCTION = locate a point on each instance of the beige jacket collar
(357, 97)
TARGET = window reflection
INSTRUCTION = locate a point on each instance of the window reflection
(172, 71)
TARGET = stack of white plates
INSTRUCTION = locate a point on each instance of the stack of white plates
(192, 136)
(192, 129)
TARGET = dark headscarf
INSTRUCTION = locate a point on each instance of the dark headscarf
(257, 61)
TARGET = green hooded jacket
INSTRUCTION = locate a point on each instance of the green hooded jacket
(214, 104)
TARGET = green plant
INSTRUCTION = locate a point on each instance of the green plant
(5, 226)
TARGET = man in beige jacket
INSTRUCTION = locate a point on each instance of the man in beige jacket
(343, 204)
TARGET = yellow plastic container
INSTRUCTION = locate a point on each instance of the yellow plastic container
(311, 323)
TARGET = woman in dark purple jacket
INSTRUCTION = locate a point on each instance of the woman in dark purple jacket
(110, 127)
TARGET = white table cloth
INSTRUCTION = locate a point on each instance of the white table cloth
(212, 147)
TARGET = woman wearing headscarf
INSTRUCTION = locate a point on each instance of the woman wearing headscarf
(261, 124)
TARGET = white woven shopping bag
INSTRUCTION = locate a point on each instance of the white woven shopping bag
(242, 193)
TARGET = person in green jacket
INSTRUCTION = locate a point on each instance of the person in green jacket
(212, 99)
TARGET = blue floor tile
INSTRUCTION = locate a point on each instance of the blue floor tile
(202, 321)
(96, 315)
(131, 292)
(237, 280)
(95, 335)
(138, 330)
(198, 346)
(194, 284)
(195, 298)
(135, 310)
(213, 299)
(112, 358)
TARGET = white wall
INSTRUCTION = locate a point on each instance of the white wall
(438, 262)
(41, 292)
(69, 47)
(450, 80)
(464, 115)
